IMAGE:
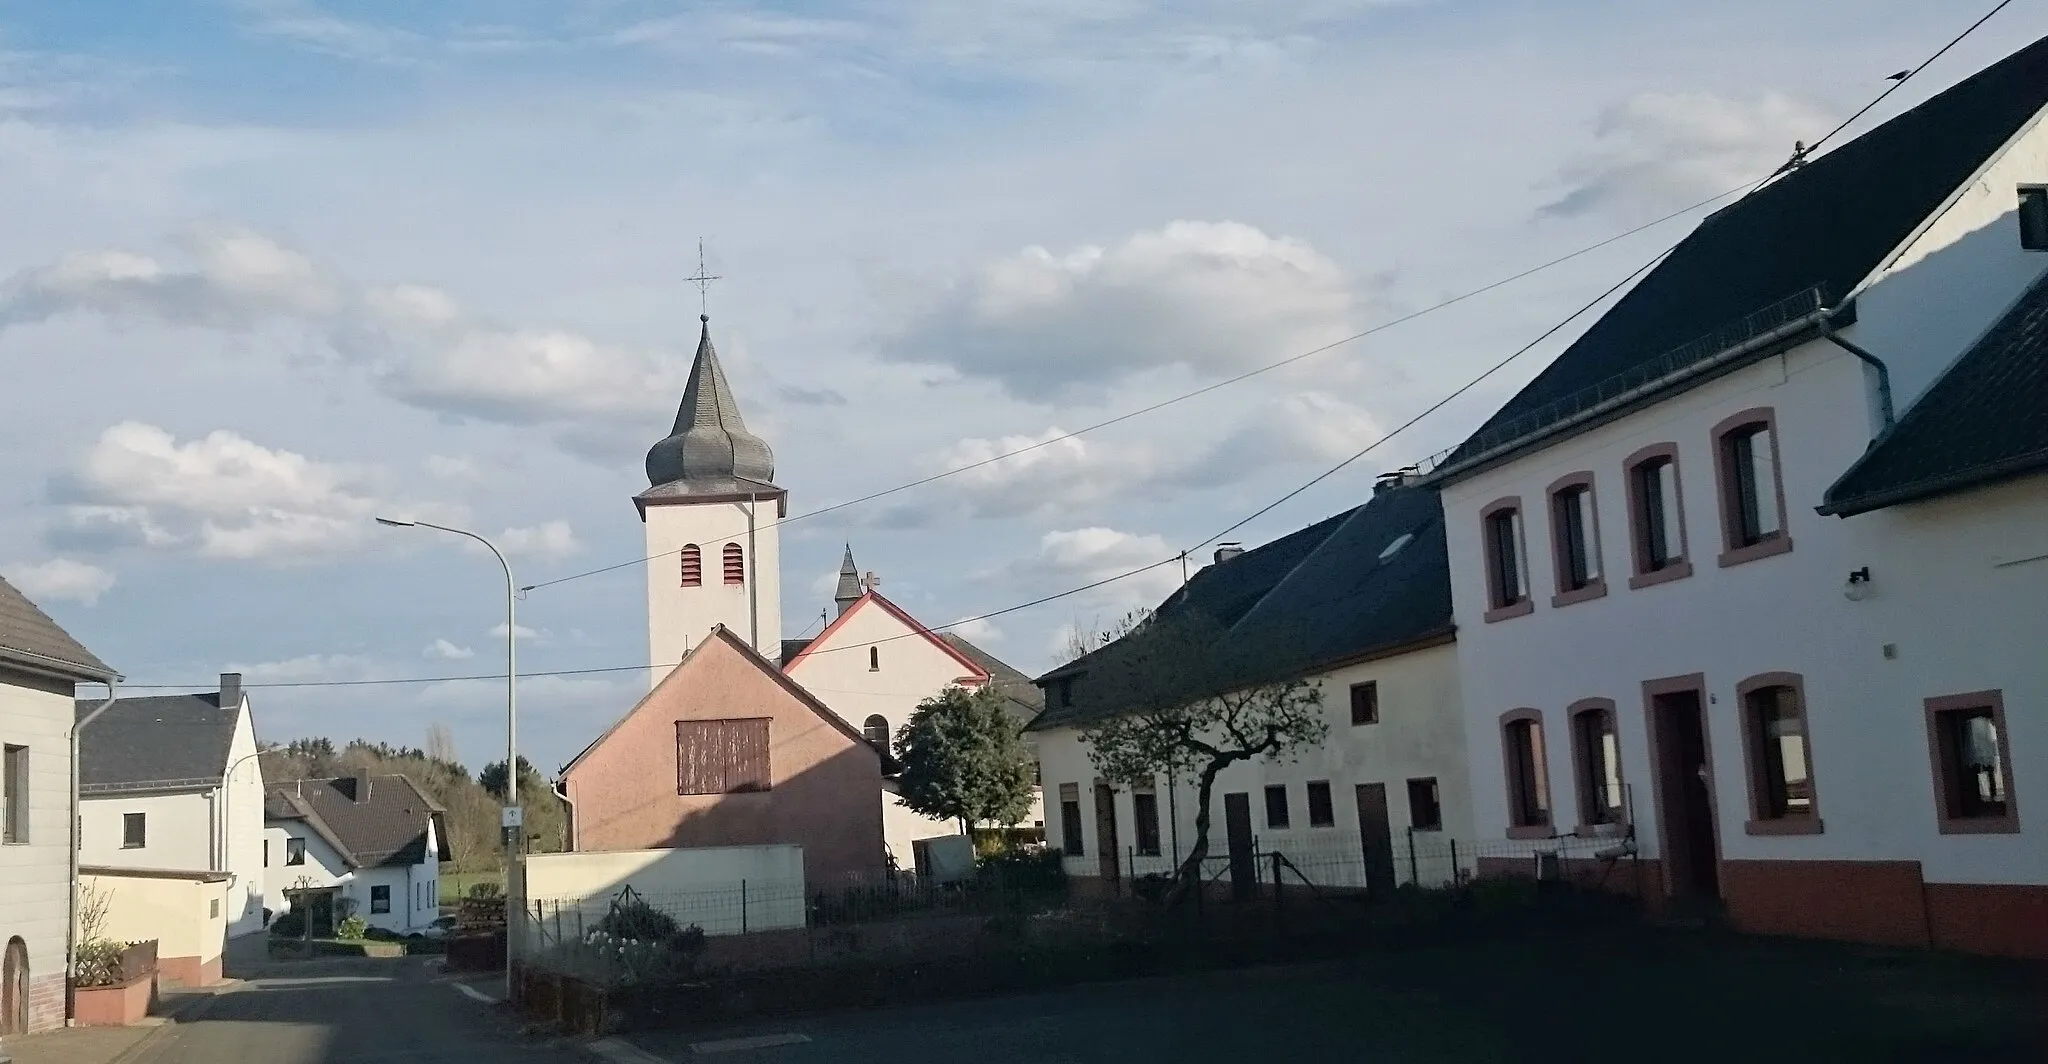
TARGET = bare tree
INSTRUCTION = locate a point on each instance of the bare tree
(441, 743)
(1083, 640)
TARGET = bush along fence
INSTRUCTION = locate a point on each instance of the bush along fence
(710, 956)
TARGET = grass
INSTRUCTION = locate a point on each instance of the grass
(455, 885)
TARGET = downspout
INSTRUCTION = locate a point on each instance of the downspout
(71, 925)
(753, 575)
(568, 815)
(1884, 375)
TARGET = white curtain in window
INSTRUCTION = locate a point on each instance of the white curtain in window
(1764, 461)
(1668, 490)
(1521, 577)
(1584, 501)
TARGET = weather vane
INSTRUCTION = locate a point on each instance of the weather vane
(703, 281)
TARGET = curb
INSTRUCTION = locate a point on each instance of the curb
(618, 1051)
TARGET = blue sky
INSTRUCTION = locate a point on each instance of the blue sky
(274, 267)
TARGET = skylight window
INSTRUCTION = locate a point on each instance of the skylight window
(1394, 548)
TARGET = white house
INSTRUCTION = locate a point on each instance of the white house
(874, 663)
(1821, 725)
(1359, 605)
(40, 669)
(172, 783)
(372, 845)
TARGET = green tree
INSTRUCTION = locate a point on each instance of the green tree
(964, 759)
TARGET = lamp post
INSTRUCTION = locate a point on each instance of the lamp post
(513, 825)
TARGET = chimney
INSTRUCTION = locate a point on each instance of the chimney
(1227, 551)
(1396, 479)
(362, 786)
(231, 690)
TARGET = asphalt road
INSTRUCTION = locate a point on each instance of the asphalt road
(347, 1012)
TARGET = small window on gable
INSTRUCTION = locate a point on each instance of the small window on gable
(1574, 537)
(693, 566)
(1657, 521)
(2034, 217)
(294, 851)
(874, 659)
(876, 731)
(735, 564)
(1507, 585)
(1752, 491)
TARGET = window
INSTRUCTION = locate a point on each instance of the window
(1063, 690)
(735, 564)
(1972, 764)
(1425, 812)
(1071, 842)
(294, 851)
(693, 566)
(1656, 516)
(1752, 494)
(380, 899)
(134, 831)
(722, 756)
(1597, 753)
(1528, 777)
(14, 795)
(1781, 793)
(1322, 813)
(1507, 588)
(1365, 703)
(874, 659)
(1276, 805)
(876, 731)
(2034, 217)
(213, 909)
(1575, 540)
(1145, 810)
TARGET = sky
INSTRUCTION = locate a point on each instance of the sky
(271, 269)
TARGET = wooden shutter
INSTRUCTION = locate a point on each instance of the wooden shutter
(722, 756)
(735, 564)
(693, 566)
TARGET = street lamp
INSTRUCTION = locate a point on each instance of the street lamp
(513, 824)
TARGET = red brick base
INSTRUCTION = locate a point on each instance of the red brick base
(188, 971)
(1642, 879)
(45, 1002)
(1878, 902)
(2002, 920)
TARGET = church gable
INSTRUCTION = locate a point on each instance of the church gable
(875, 635)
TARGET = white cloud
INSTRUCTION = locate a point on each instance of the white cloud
(1071, 558)
(307, 668)
(521, 632)
(553, 539)
(1662, 150)
(318, 31)
(61, 579)
(416, 343)
(980, 631)
(1208, 297)
(450, 467)
(444, 650)
(220, 495)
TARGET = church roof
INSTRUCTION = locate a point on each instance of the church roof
(849, 582)
(709, 445)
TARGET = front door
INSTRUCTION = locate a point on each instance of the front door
(1105, 830)
(1376, 836)
(14, 989)
(1685, 796)
(1237, 833)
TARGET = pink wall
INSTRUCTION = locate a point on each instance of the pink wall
(825, 790)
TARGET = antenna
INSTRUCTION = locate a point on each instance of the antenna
(703, 281)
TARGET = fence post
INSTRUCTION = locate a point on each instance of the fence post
(1131, 871)
(1457, 874)
(1279, 902)
(1414, 873)
(743, 906)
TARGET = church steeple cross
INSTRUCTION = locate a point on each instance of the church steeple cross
(703, 281)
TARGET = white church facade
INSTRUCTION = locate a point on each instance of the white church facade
(711, 514)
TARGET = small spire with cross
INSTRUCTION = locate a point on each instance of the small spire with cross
(703, 281)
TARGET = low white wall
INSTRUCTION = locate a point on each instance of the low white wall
(726, 890)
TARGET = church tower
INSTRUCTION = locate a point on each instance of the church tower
(711, 509)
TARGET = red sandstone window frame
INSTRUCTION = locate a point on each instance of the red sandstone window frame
(1734, 551)
(1560, 541)
(692, 566)
(1499, 608)
(1762, 820)
(1945, 783)
(1526, 771)
(735, 564)
(1594, 807)
(1679, 566)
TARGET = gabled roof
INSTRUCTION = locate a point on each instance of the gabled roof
(872, 598)
(1985, 419)
(1374, 580)
(29, 638)
(162, 742)
(1024, 697)
(720, 633)
(1827, 225)
(386, 827)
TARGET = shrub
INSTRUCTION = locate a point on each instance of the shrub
(1027, 870)
(353, 929)
(289, 924)
(97, 962)
(485, 889)
(632, 920)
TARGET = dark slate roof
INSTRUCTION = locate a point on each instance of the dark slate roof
(849, 590)
(1024, 697)
(709, 443)
(1828, 224)
(1308, 602)
(1985, 419)
(390, 828)
(39, 642)
(162, 741)
(792, 647)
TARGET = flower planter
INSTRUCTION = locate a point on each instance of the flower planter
(118, 1005)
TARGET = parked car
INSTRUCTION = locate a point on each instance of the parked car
(440, 928)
